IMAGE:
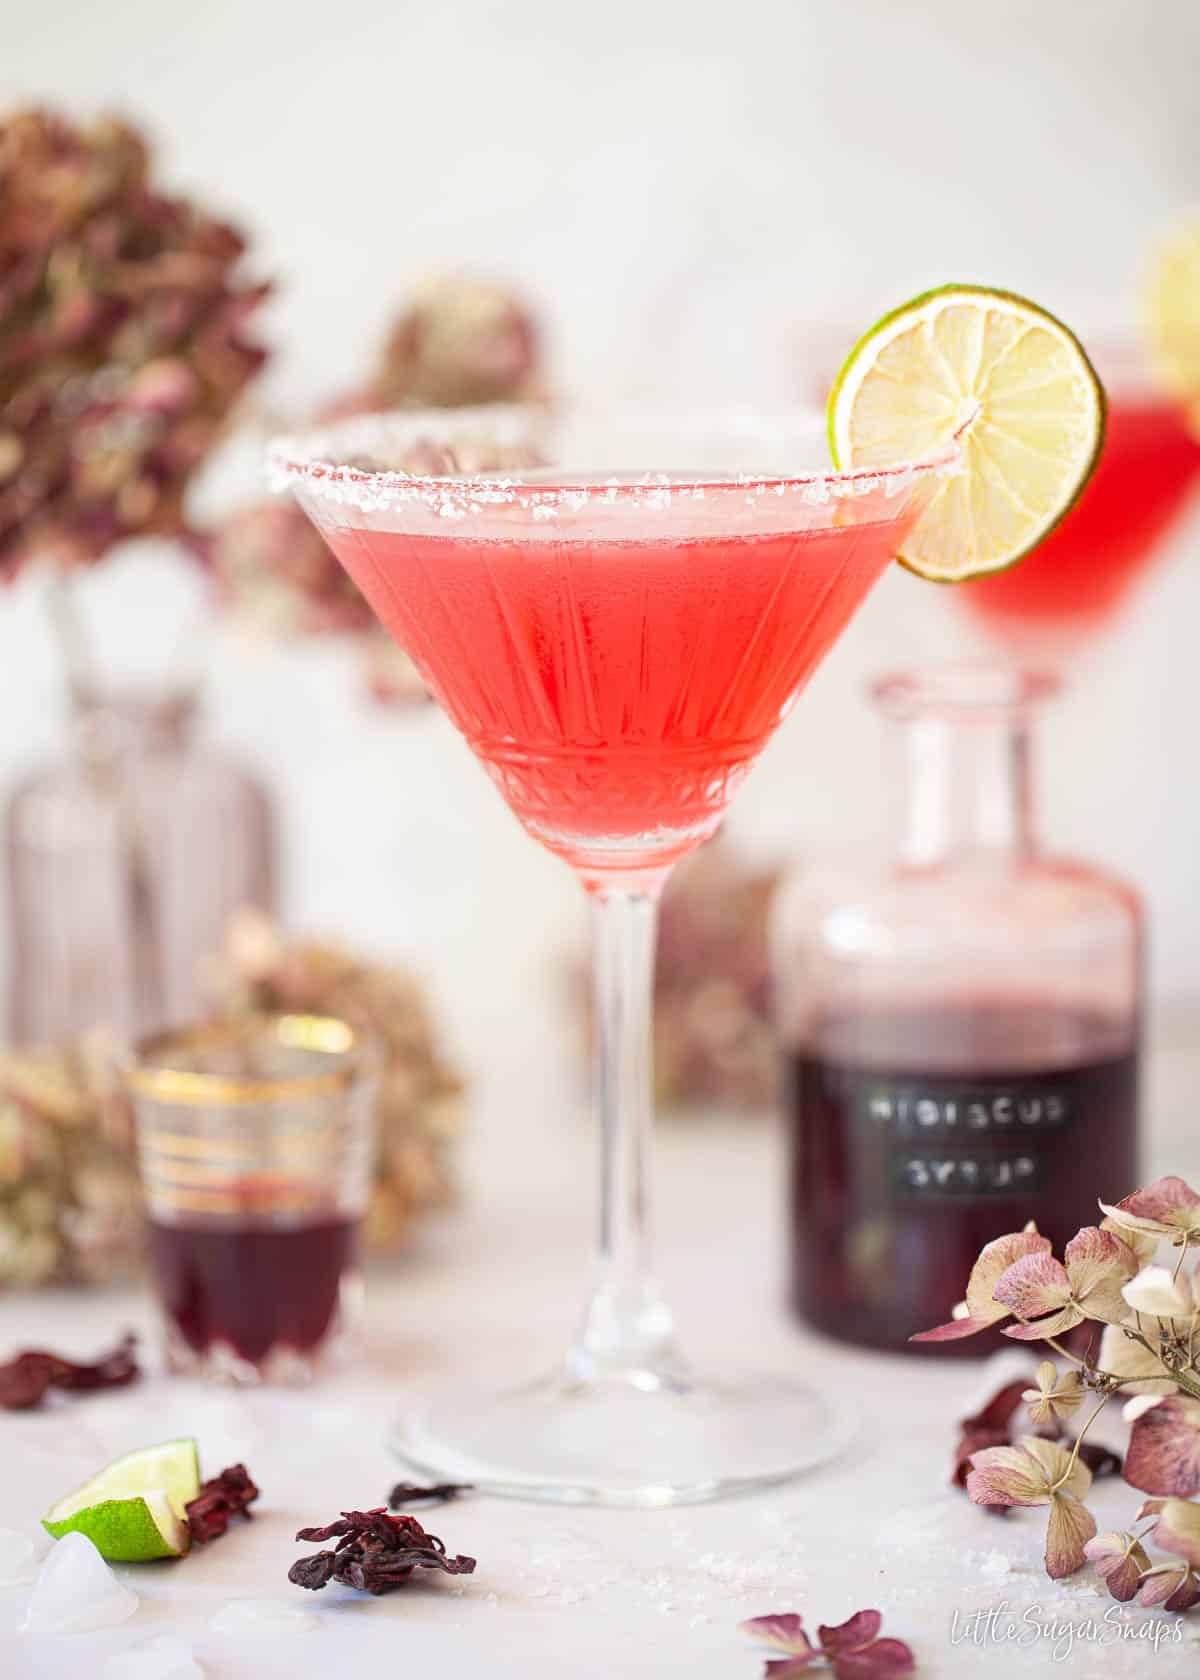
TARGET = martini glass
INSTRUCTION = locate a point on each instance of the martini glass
(617, 635)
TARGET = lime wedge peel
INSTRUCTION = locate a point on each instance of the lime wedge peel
(133, 1510)
(1011, 384)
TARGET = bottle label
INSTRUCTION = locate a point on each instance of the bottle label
(945, 1138)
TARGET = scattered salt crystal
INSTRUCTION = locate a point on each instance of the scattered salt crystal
(993, 1565)
(492, 1599)
(164, 1658)
(262, 1616)
(16, 1558)
(76, 1591)
(665, 1608)
(542, 1591)
(699, 1621)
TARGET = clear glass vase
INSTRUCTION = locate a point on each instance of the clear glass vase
(961, 1024)
(125, 861)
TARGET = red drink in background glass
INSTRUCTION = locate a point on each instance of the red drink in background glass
(1078, 578)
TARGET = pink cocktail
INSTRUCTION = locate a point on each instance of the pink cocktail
(618, 690)
(617, 635)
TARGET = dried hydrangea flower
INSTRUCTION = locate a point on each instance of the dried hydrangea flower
(1038, 1472)
(1164, 1447)
(273, 567)
(1159, 1293)
(1121, 1561)
(1055, 1397)
(420, 1098)
(851, 1650)
(1142, 1244)
(982, 1310)
(1168, 1209)
(1169, 1586)
(784, 1633)
(1138, 1368)
(459, 342)
(123, 341)
(1175, 1585)
(1061, 1296)
(70, 1206)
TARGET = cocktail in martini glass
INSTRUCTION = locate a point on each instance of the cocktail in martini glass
(617, 631)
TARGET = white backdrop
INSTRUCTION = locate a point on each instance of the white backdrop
(682, 186)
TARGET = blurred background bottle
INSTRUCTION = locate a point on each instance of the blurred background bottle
(961, 1026)
(126, 860)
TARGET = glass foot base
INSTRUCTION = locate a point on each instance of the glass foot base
(629, 1440)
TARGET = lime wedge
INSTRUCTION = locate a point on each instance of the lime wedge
(133, 1510)
(1172, 308)
(1006, 379)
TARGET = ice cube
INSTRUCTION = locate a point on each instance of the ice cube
(76, 1590)
(262, 1616)
(16, 1558)
(164, 1658)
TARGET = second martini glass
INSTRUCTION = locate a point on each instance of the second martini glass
(617, 635)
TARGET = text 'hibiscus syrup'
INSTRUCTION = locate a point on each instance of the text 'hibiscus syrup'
(962, 1025)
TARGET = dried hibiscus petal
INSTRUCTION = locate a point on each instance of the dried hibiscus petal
(27, 1378)
(405, 1494)
(375, 1553)
(989, 1427)
(224, 1497)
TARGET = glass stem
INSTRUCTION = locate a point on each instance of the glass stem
(627, 1332)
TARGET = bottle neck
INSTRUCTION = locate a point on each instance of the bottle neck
(961, 766)
(113, 726)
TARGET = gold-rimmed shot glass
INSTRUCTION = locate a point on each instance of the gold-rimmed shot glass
(255, 1145)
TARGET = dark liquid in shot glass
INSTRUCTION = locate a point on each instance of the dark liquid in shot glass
(253, 1288)
(918, 1136)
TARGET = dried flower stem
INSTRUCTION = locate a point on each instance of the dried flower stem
(1079, 1440)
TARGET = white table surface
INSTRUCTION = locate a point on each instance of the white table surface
(493, 1287)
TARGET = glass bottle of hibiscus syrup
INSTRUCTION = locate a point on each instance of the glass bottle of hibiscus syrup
(961, 1025)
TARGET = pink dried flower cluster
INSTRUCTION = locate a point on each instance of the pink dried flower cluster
(1149, 1349)
(1050, 1405)
(122, 340)
(459, 341)
(69, 1195)
(420, 1106)
(853, 1650)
